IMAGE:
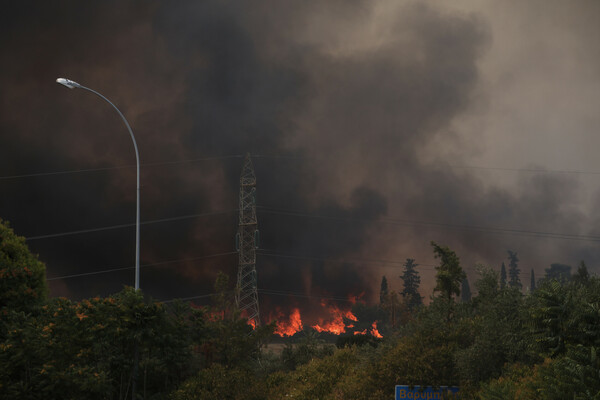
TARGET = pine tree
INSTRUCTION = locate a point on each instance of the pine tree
(449, 274)
(502, 276)
(465, 291)
(383, 293)
(532, 286)
(412, 280)
(513, 270)
(582, 276)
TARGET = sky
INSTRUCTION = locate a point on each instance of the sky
(374, 128)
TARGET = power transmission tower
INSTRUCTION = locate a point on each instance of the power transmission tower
(246, 296)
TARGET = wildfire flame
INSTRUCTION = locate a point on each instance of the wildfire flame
(293, 325)
(336, 325)
(374, 330)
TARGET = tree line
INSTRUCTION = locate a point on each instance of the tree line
(498, 343)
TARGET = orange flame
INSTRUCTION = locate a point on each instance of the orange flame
(374, 330)
(293, 325)
(336, 325)
(350, 316)
(252, 323)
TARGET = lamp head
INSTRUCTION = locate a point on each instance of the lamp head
(68, 83)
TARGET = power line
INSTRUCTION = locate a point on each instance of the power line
(192, 297)
(269, 292)
(263, 252)
(155, 164)
(105, 271)
(395, 221)
(105, 228)
(506, 231)
(277, 156)
(474, 167)
(393, 263)
(272, 253)
(533, 170)
(296, 294)
(283, 157)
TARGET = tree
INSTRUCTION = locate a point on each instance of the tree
(22, 275)
(449, 273)
(227, 338)
(223, 301)
(554, 317)
(487, 285)
(384, 290)
(502, 276)
(582, 275)
(85, 350)
(412, 280)
(532, 285)
(317, 379)
(303, 349)
(560, 272)
(398, 311)
(496, 334)
(465, 292)
(218, 382)
(513, 270)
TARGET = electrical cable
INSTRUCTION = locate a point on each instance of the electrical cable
(104, 271)
(395, 221)
(192, 297)
(395, 264)
(104, 228)
(533, 170)
(154, 164)
(273, 253)
(269, 292)
(276, 156)
(296, 294)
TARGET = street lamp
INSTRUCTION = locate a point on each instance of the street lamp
(72, 85)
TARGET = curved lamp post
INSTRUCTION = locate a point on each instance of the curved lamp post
(72, 85)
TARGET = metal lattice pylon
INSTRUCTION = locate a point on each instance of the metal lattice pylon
(246, 296)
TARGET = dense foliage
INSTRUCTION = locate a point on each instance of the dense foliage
(499, 344)
(22, 275)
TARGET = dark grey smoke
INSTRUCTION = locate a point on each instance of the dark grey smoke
(342, 126)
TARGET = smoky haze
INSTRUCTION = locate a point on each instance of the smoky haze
(360, 117)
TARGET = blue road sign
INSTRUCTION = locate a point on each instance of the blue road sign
(428, 393)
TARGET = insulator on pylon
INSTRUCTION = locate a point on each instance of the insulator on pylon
(256, 239)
